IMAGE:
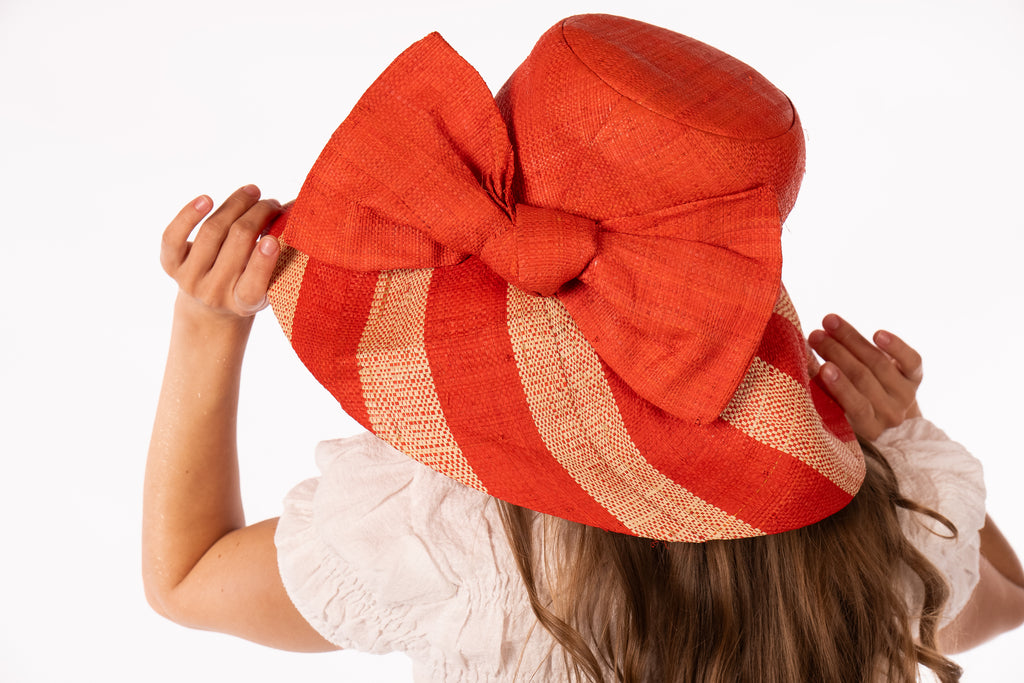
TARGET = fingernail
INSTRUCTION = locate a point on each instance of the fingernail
(251, 190)
(882, 338)
(268, 246)
(815, 337)
(831, 322)
(829, 373)
(202, 203)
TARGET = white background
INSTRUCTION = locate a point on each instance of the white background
(114, 114)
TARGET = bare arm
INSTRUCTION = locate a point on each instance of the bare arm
(997, 603)
(202, 567)
(877, 386)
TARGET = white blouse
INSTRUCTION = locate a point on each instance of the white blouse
(382, 554)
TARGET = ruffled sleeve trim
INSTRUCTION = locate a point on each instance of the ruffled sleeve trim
(382, 554)
(938, 473)
(339, 551)
(325, 589)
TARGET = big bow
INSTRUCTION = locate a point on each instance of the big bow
(421, 175)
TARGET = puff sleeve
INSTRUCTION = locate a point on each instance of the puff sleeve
(382, 554)
(941, 474)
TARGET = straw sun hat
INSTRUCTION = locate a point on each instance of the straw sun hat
(568, 296)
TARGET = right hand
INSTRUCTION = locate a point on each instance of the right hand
(226, 270)
(875, 385)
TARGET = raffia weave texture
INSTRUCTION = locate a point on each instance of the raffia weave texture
(568, 296)
(287, 280)
(395, 375)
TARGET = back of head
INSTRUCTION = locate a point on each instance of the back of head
(822, 603)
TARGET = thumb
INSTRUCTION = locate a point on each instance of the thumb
(251, 287)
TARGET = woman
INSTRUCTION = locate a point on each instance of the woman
(710, 173)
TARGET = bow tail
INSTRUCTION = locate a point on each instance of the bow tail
(677, 302)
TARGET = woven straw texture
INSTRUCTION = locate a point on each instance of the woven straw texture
(568, 296)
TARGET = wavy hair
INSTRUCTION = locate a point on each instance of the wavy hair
(824, 603)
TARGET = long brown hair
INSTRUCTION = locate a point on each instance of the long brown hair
(822, 603)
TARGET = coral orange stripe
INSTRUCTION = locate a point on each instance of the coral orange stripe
(329, 317)
(832, 415)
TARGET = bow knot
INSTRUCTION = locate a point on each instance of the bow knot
(541, 249)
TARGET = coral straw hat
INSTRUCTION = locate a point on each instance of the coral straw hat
(569, 296)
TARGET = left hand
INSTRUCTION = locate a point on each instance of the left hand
(875, 385)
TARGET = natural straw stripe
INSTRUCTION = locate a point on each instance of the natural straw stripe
(398, 387)
(575, 413)
(285, 284)
(784, 307)
(773, 408)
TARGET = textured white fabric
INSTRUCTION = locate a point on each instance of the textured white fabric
(939, 473)
(382, 554)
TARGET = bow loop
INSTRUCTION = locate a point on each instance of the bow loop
(541, 249)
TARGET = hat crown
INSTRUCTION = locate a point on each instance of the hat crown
(613, 117)
(679, 77)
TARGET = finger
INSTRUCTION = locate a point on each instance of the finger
(833, 351)
(908, 360)
(206, 246)
(877, 362)
(174, 245)
(236, 250)
(251, 289)
(858, 408)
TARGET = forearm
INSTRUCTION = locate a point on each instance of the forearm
(998, 551)
(191, 494)
(997, 603)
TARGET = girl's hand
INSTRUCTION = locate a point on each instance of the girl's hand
(201, 566)
(875, 385)
(226, 270)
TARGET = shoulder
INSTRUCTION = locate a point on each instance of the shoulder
(934, 470)
(381, 553)
(941, 474)
(370, 493)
